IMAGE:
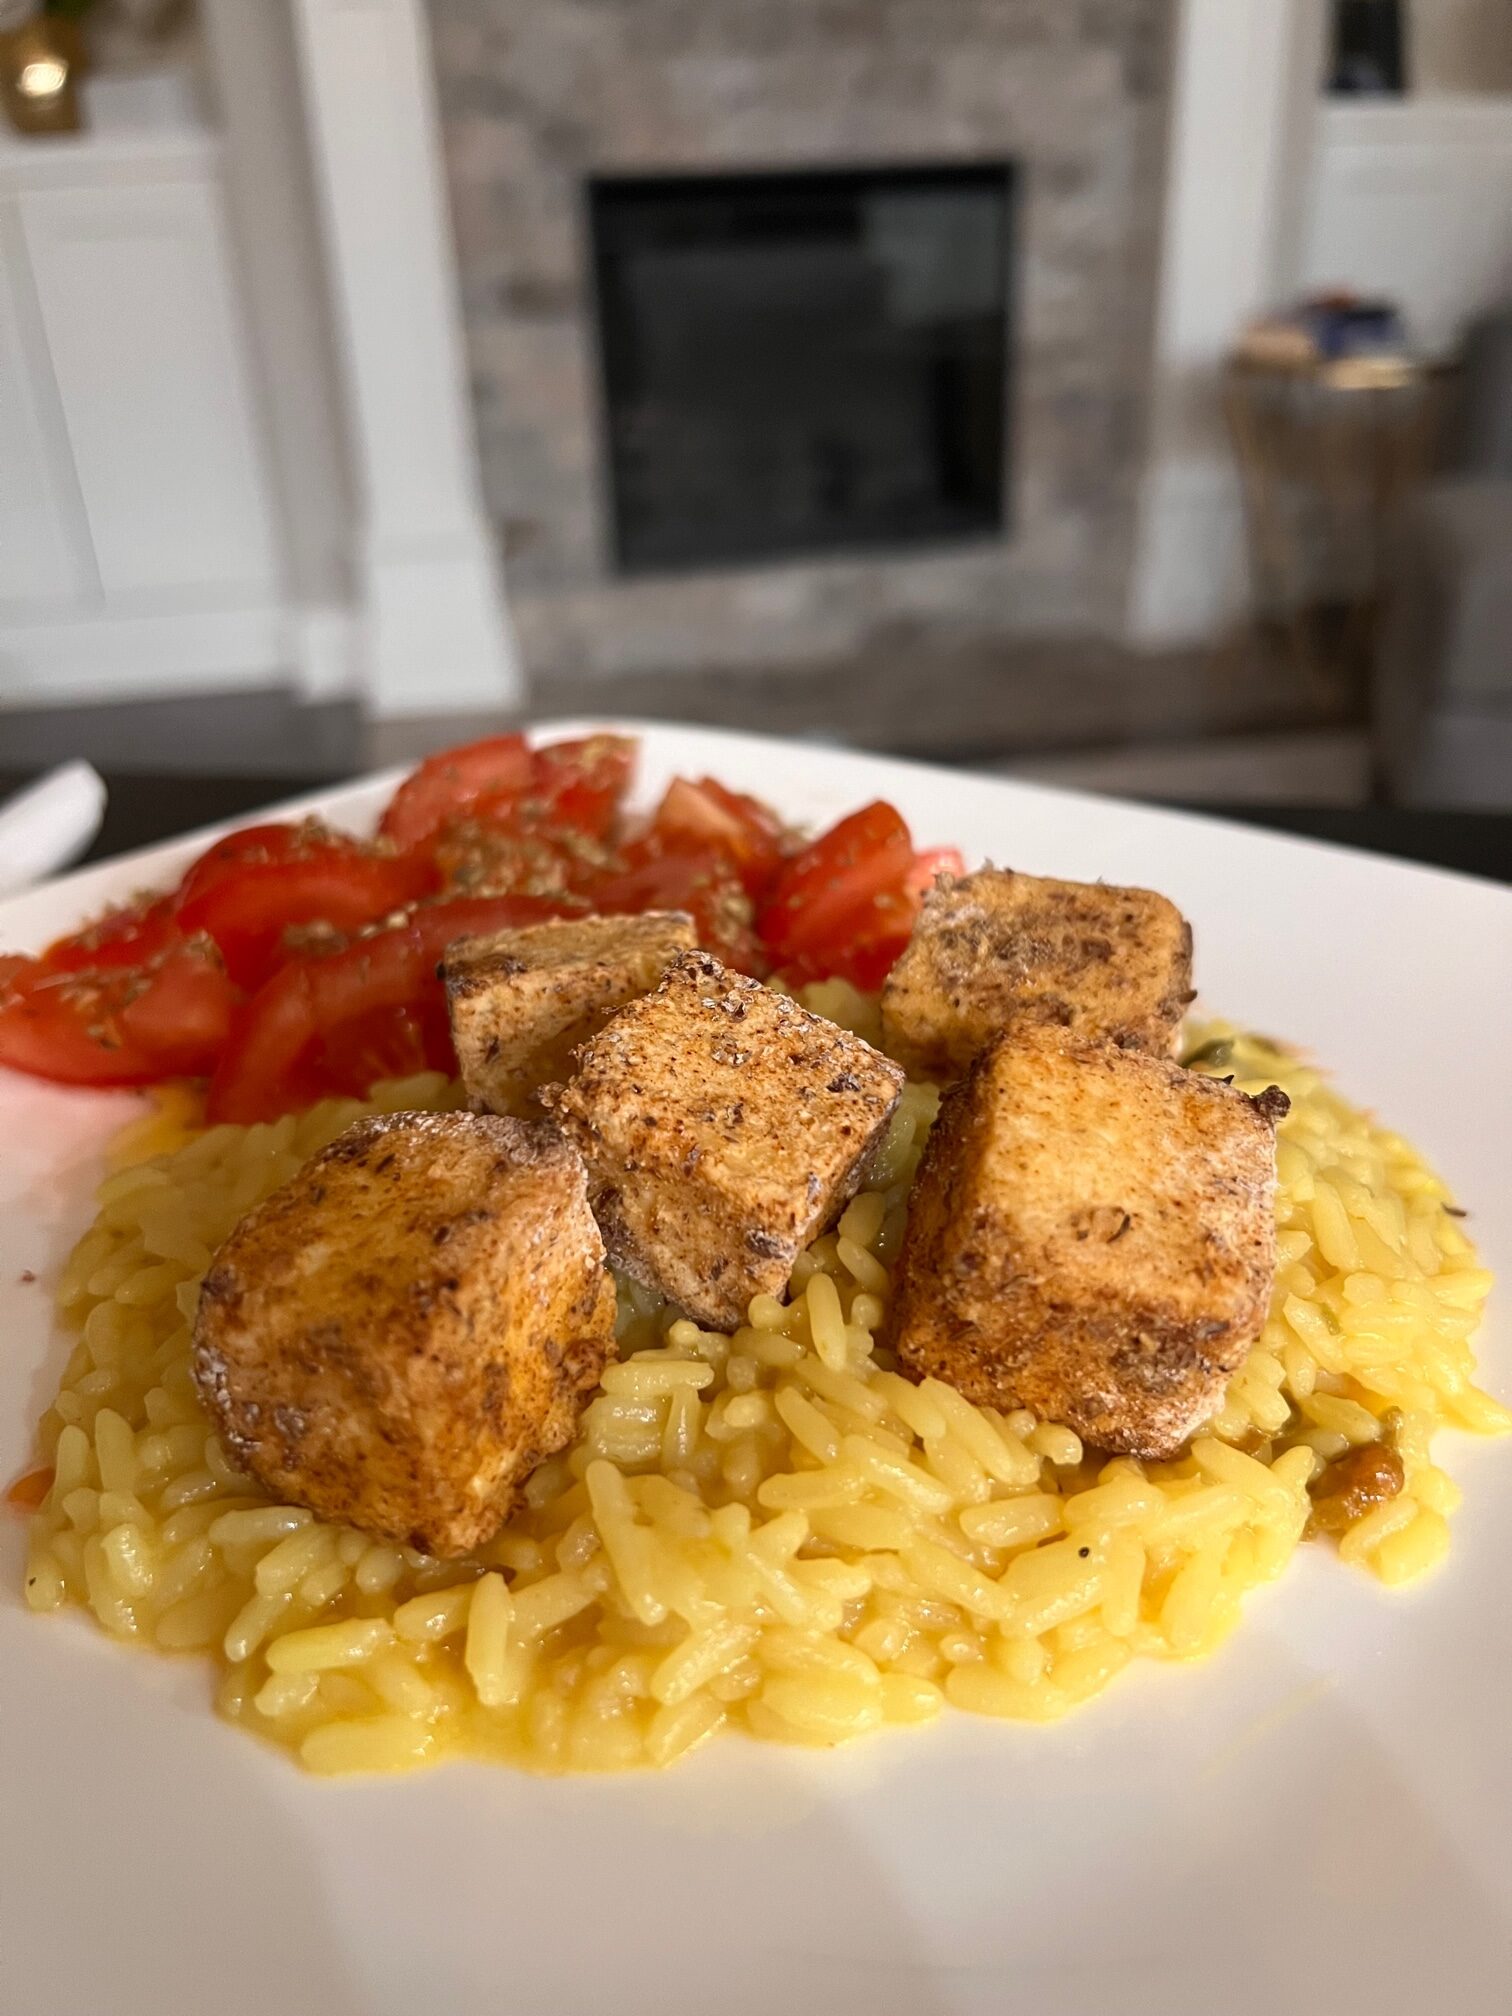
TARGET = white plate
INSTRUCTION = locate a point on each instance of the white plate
(1322, 1813)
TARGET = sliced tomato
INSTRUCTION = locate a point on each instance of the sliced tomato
(437, 925)
(475, 859)
(819, 900)
(129, 935)
(378, 1013)
(270, 1064)
(254, 887)
(500, 782)
(336, 941)
(270, 840)
(655, 877)
(338, 1023)
(932, 862)
(580, 784)
(873, 942)
(874, 937)
(65, 1027)
(26, 1492)
(124, 1026)
(182, 1015)
(708, 815)
(453, 783)
(320, 1027)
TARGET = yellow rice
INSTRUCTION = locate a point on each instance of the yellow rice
(770, 1531)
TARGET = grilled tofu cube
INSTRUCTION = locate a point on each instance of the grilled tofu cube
(996, 948)
(1091, 1234)
(723, 1127)
(522, 1001)
(399, 1335)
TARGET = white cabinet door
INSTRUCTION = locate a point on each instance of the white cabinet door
(45, 558)
(145, 347)
(1412, 200)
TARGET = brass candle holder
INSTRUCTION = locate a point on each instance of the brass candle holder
(40, 66)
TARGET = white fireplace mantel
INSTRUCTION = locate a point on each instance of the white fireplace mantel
(1246, 103)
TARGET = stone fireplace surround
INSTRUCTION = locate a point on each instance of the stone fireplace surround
(536, 96)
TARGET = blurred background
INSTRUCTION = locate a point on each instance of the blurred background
(1111, 392)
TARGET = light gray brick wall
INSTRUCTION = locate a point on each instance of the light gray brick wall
(536, 95)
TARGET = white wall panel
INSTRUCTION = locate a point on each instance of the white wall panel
(44, 548)
(146, 352)
(1414, 200)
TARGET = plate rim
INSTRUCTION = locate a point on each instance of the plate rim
(89, 875)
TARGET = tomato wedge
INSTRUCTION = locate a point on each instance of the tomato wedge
(338, 1023)
(501, 782)
(931, 862)
(652, 877)
(475, 859)
(118, 1026)
(434, 926)
(129, 935)
(702, 815)
(26, 1492)
(580, 784)
(254, 887)
(246, 847)
(182, 1015)
(846, 906)
(875, 939)
(820, 898)
(452, 783)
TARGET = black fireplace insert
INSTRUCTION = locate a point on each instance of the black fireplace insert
(800, 363)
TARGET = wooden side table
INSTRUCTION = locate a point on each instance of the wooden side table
(1326, 450)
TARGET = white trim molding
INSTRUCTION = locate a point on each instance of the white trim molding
(113, 656)
(151, 652)
(253, 70)
(324, 639)
(435, 633)
(1190, 576)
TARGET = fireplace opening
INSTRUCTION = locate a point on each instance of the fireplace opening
(803, 363)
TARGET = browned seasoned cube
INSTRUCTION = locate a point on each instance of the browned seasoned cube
(399, 1335)
(724, 1127)
(1091, 1234)
(522, 1001)
(996, 948)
